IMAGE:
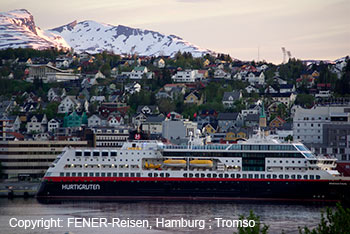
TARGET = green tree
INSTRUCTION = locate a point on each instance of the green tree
(305, 100)
(51, 110)
(259, 227)
(332, 221)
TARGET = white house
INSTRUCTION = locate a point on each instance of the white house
(52, 125)
(36, 123)
(138, 72)
(114, 120)
(55, 93)
(94, 121)
(221, 74)
(255, 78)
(185, 76)
(160, 63)
(70, 103)
(97, 99)
(251, 89)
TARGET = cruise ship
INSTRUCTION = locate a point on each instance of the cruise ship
(259, 168)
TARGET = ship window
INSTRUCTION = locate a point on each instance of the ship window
(312, 177)
(87, 153)
(190, 175)
(67, 174)
(232, 175)
(250, 176)
(132, 174)
(221, 175)
(202, 175)
(264, 147)
(255, 147)
(149, 174)
(209, 175)
(293, 176)
(96, 153)
(74, 174)
(244, 176)
(85, 174)
(97, 174)
(155, 175)
(78, 153)
(115, 174)
(280, 176)
(227, 175)
(103, 174)
(238, 176)
(274, 176)
(318, 177)
(299, 176)
(305, 177)
(127, 175)
(139, 174)
(256, 176)
(113, 153)
(268, 176)
(215, 175)
(104, 153)
(62, 174)
(262, 176)
(121, 175)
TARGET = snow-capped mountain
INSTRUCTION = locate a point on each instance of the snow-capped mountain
(95, 37)
(18, 29)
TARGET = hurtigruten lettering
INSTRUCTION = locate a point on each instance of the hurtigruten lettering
(80, 187)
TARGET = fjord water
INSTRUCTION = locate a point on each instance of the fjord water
(277, 215)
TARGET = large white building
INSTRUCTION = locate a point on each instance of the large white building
(308, 123)
(48, 73)
(186, 76)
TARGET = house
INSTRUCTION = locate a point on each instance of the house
(285, 98)
(153, 124)
(99, 75)
(52, 125)
(115, 120)
(210, 128)
(63, 61)
(228, 120)
(251, 89)
(221, 74)
(132, 88)
(185, 76)
(94, 121)
(230, 98)
(160, 63)
(98, 99)
(255, 78)
(148, 110)
(55, 94)
(202, 120)
(138, 119)
(36, 123)
(287, 88)
(75, 120)
(88, 82)
(71, 103)
(306, 80)
(48, 73)
(171, 91)
(277, 122)
(252, 109)
(193, 97)
(139, 72)
(251, 120)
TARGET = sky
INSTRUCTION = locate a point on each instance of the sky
(247, 30)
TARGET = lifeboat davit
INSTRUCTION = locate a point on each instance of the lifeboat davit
(174, 163)
(201, 163)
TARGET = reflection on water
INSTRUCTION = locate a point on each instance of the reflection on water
(278, 216)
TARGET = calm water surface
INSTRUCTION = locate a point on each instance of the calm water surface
(277, 216)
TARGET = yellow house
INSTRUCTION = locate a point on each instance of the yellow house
(230, 136)
(210, 129)
(193, 98)
(206, 62)
(241, 135)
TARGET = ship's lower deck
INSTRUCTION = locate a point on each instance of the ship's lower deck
(192, 188)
